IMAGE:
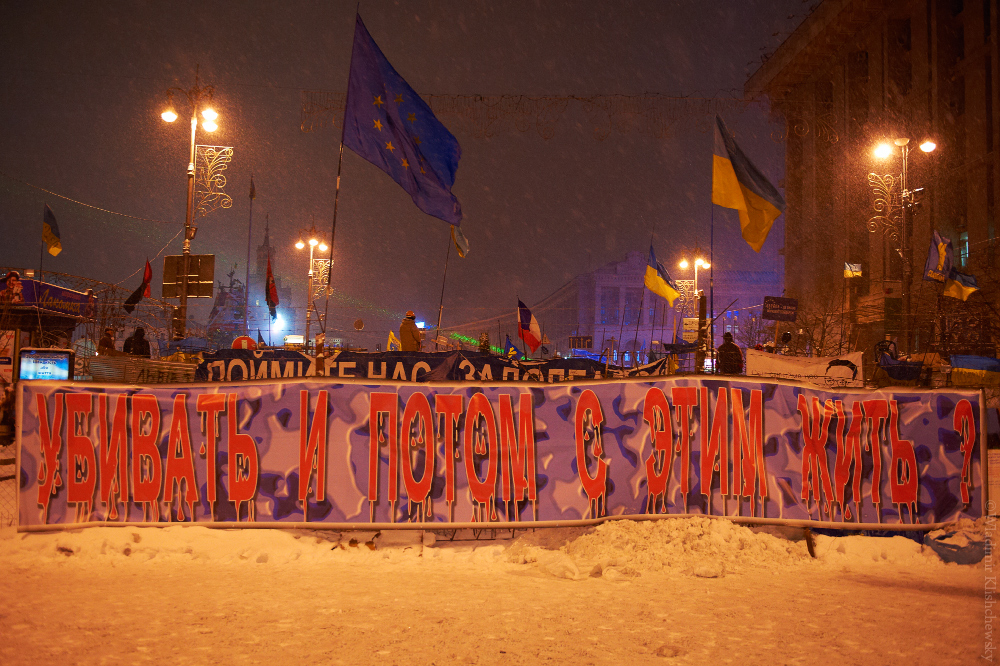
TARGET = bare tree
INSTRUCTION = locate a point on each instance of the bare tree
(753, 330)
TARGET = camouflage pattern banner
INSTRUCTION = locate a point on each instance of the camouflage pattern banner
(353, 453)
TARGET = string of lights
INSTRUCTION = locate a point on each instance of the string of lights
(81, 203)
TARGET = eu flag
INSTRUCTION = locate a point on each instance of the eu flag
(389, 125)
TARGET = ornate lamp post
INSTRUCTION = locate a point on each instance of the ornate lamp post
(198, 98)
(698, 263)
(313, 243)
(887, 202)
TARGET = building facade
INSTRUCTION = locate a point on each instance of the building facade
(611, 308)
(856, 73)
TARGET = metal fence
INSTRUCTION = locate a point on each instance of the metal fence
(8, 489)
(132, 370)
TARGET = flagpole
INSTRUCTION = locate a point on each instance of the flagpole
(517, 321)
(41, 253)
(246, 285)
(447, 256)
(336, 196)
(652, 327)
(711, 290)
(642, 303)
(621, 330)
(635, 339)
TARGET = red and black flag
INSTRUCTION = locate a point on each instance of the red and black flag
(142, 292)
(271, 292)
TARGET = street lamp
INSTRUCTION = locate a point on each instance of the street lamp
(313, 244)
(882, 151)
(698, 263)
(198, 98)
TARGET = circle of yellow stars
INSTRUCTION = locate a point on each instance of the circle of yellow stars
(412, 117)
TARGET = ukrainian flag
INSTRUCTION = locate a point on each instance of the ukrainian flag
(50, 232)
(657, 280)
(960, 285)
(393, 343)
(738, 184)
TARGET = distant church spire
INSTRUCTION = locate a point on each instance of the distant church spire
(264, 249)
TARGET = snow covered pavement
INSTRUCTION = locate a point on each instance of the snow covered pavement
(680, 591)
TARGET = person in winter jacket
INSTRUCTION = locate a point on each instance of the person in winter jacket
(409, 335)
(730, 356)
(137, 344)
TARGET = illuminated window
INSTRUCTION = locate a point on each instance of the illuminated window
(963, 248)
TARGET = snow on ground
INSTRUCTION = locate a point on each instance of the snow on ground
(675, 591)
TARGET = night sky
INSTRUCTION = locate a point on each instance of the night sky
(82, 86)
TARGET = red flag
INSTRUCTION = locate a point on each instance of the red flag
(271, 291)
(141, 292)
(147, 277)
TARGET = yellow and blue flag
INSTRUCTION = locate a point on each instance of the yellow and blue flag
(50, 232)
(974, 371)
(960, 285)
(392, 344)
(738, 184)
(389, 125)
(940, 258)
(510, 351)
(657, 280)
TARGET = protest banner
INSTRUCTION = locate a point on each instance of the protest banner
(844, 370)
(358, 453)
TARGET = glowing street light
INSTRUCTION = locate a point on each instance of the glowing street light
(882, 151)
(313, 243)
(196, 96)
(698, 263)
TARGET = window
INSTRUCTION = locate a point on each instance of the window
(609, 305)
(857, 86)
(987, 19)
(963, 249)
(633, 315)
(900, 43)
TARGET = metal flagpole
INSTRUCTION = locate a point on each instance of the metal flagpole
(336, 201)
(642, 304)
(447, 256)
(517, 322)
(621, 327)
(246, 285)
(652, 327)
(711, 291)
(41, 254)
(638, 318)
